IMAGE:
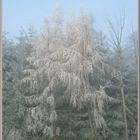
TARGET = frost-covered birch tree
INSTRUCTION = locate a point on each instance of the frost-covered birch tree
(66, 64)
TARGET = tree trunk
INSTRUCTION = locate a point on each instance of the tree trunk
(90, 122)
(124, 109)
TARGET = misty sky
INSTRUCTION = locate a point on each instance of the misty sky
(23, 13)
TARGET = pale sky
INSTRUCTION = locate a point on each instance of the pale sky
(23, 13)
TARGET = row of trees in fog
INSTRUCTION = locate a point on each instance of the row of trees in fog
(70, 81)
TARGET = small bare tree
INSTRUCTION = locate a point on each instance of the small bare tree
(116, 41)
